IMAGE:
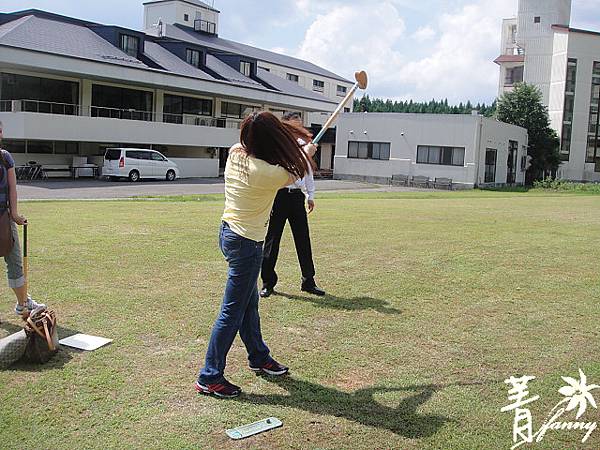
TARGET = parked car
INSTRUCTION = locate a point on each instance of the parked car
(137, 163)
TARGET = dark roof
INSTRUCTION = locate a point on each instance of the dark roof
(191, 2)
(172, 63)
(292, 87)
(207, 40)
(45, 35)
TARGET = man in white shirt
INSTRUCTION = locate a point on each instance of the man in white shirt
(290, 206)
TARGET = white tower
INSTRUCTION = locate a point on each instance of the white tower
(190, 13)
(536, 37)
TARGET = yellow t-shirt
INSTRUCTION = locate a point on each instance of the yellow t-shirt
(250, 188)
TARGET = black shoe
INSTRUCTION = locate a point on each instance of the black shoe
(266, 292)
(271, 368)
(224, 389)
(315, 290)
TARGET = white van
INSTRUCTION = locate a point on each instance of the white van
(137, 163)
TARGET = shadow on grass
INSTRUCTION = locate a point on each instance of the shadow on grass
(360, 406)
(64, 355)
(347, 304)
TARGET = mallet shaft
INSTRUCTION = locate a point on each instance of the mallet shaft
(335, 114)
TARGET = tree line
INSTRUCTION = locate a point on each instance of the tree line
(367, 104)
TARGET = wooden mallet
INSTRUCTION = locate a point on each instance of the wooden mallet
(361, 82)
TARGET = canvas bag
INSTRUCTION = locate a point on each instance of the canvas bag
(43, 335)
(6, 238)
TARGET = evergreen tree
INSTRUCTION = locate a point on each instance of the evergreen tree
(524, 107)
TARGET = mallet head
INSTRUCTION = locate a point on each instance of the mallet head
(361, 79)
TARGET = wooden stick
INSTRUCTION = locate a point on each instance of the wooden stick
(25, 259)
(361, 82)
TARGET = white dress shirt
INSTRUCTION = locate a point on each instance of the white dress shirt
(306, 184)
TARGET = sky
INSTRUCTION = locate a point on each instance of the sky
(411, 49)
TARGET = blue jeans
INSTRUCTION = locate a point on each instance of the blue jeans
(239, 311)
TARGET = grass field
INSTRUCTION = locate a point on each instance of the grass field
(435, 299)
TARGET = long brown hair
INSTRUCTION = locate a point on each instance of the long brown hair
(265, 137)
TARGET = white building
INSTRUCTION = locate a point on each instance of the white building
(71, 88)
(469, 149)
(539, 47)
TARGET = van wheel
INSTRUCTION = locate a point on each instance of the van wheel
(134, 176)
(170, 175)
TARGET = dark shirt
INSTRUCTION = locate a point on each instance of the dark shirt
(6, 162)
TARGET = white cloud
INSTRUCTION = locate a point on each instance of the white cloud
(423, 34)
(460, 64)
(348, 38)
(455, 63)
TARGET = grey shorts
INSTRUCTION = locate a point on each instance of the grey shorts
(14, 262)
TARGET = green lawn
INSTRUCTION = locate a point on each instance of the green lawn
(435, 300)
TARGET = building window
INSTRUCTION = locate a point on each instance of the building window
(593, 141)
(292, 77)
(567, 127)
(185, 110)
(66, 148)
(346, 110)
(130, 45)
(341, 90)
(444, 156)
(43, 95)
(193, 57)
(186, 17)
(514, 76)
(236, 110)
(121, 103)
(537, 19)
(513, 34)
(246, 68)
(318, 85)
(490, 165)
(369, 150)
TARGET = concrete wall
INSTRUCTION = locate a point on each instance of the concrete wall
(406, 132)
(537, 39)
(53, 127)
(197, 167)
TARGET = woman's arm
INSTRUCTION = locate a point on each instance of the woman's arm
(12, 198)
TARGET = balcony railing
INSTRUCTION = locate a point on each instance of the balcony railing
(205, 26)
(38, 106)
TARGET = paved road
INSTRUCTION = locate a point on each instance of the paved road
(98, 189)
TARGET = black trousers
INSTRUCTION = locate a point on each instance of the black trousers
(288, 206)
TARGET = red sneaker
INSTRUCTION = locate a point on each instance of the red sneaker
(223, 389)
(271, 368)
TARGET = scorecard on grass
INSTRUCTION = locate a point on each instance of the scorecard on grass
(85, 342)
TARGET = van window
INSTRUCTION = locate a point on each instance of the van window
(112, 154)
(133, 154)
(138, 154)
(157, 157)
